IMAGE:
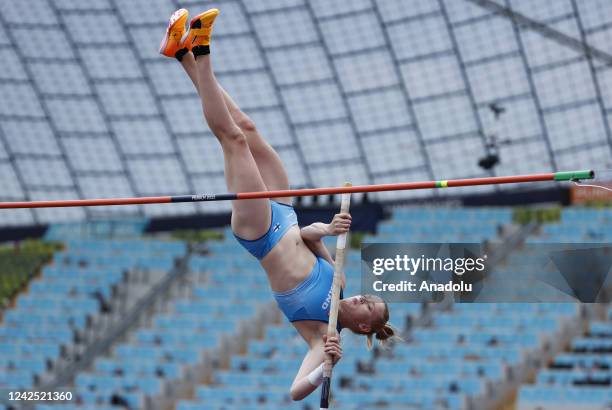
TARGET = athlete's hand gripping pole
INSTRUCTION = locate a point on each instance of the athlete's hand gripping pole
(333, 310)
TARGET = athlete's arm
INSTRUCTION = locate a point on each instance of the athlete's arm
(318, 248)
(339, 224)
(310, 375)
(312, 235)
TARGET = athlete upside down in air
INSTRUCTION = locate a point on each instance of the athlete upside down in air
(299, 267)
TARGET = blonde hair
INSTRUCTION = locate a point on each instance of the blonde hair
(383, 335)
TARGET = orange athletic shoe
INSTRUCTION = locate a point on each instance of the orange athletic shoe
(172, 44)
(200, 29)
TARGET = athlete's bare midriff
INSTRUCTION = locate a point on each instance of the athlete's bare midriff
(289, 262)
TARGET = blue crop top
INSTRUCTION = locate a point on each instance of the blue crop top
(283, 218)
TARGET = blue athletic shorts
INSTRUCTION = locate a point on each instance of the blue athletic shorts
(311, 299)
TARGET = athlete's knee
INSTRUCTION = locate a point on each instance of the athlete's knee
(245, 122)
(232, 137)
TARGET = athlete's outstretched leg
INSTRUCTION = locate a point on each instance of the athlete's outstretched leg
(250, 218)
(268, 161)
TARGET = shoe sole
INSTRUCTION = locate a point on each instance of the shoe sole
(176, 16)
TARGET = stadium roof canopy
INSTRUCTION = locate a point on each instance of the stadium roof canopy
(371, 91)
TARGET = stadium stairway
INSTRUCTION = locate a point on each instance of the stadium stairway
(580, 377)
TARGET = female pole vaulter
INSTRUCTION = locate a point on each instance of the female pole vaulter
(299, 267)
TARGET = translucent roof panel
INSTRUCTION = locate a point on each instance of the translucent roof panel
(371, 91)
(366, 71)
(55, 41)
(80, 5)
(292, 27)
(11, 188)
(236, 53)
(3, 151)
(325, 9)
(111, 63)
(394, 10)
(44, 172)
(266, 5)
(150, 11)
(202, 154)
(485, 38)
(19, 100)
(325, 143)
(274, 125)
(572, 128)
(186, 114)
(485, 79)
(577, 84)
(108, 28)
(166, 80)
(60, 78)
(13, 69)
(250, 90)
(32, 137)
(336, 174)
(594, 13)
(416, 38)
(148, 39)
(543, 10)
(380, 110)
(583, 157)
(341, 36)
(463, 11)
(132, 99)
(605, 84)
(37, 10)
(76, 115)
(92, 154)
(432, 76)
(542, 51)
(291, 66)
(158, 176)
(294, 166)
(458, 114)
(142, 136)
(392, 145)
(317, 102)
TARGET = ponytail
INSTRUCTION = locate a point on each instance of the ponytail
(384, 335)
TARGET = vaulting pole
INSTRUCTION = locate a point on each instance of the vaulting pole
(552, 176)
(335, 300)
